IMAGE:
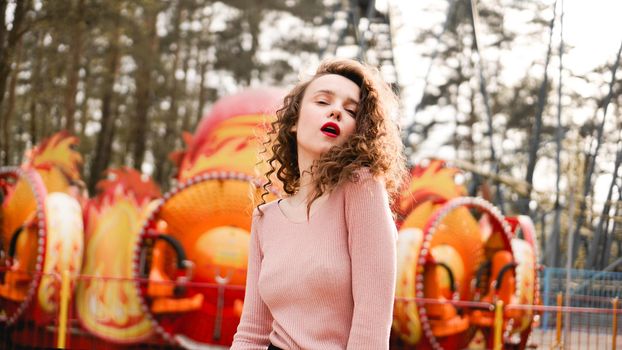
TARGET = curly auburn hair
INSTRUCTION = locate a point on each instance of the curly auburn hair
(375, 143)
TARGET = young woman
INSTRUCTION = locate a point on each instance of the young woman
(322, 261)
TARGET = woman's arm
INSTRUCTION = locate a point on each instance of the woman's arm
(256, 321)
(372, 238)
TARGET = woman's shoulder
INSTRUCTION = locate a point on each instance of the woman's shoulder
(364, 192)
(265, 208)
(362, 180)
(362, 175)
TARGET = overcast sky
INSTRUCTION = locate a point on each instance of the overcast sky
(592, 28)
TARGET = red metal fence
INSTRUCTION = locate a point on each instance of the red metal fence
(45, 323)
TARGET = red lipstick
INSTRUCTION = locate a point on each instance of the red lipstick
(330, 129)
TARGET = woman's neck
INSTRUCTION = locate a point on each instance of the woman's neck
(307, 187)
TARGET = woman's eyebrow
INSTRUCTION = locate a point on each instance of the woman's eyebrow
(332, 93)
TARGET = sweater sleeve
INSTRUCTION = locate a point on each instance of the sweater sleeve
(372, 236)
(256, 321)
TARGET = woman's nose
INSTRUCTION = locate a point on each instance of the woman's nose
(335, 114)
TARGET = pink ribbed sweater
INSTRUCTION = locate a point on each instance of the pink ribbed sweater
(323, 284)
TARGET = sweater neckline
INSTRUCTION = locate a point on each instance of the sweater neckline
(311, 215)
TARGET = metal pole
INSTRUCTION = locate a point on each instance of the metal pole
(558, 333)
(64, 306)
(547, 292)
(615, 323)
(569, 250)
(498, 339)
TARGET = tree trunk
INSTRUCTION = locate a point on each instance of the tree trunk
(33, 121)
(10, 108)
(552, 251)
(202, 92)
(204, 62)
(74, 66)
(457, 139)
(12, 38)
(253, 18)
(145, 55)
(185, 119)
(536, 132)
(591, 161)
(85, 147)
(104, 139)
(84, 107)
(35, 86)
(599, 240)
(553, 247)
(164, 169)
(613, 234)
(472, 121)
(479, 63)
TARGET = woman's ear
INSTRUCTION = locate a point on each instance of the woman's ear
(294, 128)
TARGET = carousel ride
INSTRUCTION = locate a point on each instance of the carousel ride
(458, 256)
(150, 268)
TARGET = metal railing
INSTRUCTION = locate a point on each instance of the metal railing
(589, 321)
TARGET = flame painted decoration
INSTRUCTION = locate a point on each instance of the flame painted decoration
(230, 136)
(106, 301)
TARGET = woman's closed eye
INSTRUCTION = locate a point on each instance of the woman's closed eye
(323, 102)
(350, 109)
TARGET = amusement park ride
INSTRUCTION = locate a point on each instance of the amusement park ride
(152, 268)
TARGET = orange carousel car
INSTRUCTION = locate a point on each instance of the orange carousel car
(198, 235)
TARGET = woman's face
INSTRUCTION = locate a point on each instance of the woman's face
(326, 116)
